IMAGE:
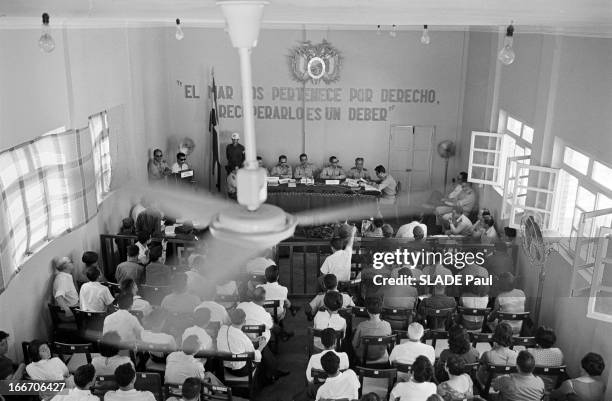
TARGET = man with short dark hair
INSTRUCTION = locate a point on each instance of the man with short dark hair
(180, 164)
(157, 167)
(328, 340)
(282, 169)
(130, 268)
(94, 297)
(181, 364)
(84, 378)
(521, 386)
(333, 171)
(7, 370)
(234, 152)
(89, 259)
(304, 169)
(275, 291)
(123, 322)
(359, 172)
(190, 390)
(330, 282)
(339, 262)
(180, 301)
(387, 185)
(156, 272)
(337, 385)
(125, 375)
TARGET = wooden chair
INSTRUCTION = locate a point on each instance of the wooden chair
(256, 330)
(477, 338)
(401, 367)
(474, 312)
(437, 318)
(494, 371)
(104, 384)
(527, 342)
(90, 324)
(512, 317)
(312, 333)
(211, 392)
(173, 390)
(114, 288)
(229, 301)
(368, 341)
(154, 294)
(434, 336)
(62, 329)
(558, 372)
(272, 307)
(72, 354)
(318, 375)
(229, 379)
(389, 374)
(398, 318)
(151, 365)
(149, 382)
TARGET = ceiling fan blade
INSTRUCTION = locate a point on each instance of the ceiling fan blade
(179, 202)
(362, 211)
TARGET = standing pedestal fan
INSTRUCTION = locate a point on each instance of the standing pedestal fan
(446, 149)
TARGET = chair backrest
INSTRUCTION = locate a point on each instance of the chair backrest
(312, 333)
(318, 375)
(56, 311)
(527, 342)
(389, 374)
(401, 367)
(438, 316)
(368, 341)
(26, 354)
(103, 384)
(502, 316)
(154, 294)
(256, 329)
(359, 311)
(558, 372)
(397, 317)
(245, 357)
(211, 392)
(160, 348)
(149, 382)
(89, 321)
(272, 306)
(496, 370)
(434, 336)
(476, 338)
(173, 390)
(63, 349)
(232, 299)
(463, 311)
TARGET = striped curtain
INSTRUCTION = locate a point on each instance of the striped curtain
(100, 140)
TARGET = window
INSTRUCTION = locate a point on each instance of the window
(100, 140)
(600, 297)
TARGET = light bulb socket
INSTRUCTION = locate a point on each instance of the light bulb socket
(45, 19)
(178, 21)
(510, 31)
(424, 26)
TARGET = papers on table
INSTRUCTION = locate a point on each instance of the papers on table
(186, 173)
(332, 182)
(352, 182)
(272, 181)
(307, 181)
(370, 188)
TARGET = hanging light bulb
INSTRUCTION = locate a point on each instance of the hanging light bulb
(179, 31)
(506, 54)
(393, 31)
(425, 36)
(378, 31)
(46, 42)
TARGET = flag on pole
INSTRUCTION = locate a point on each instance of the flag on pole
(213, 122)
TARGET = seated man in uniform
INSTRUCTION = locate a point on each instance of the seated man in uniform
(333, 171)
(304, 169)
(282, 169)
(386, 186)
(359, 171)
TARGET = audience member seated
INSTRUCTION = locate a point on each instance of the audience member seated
(407, 352)
(218, 313)
(190, 390)
(480, 227)
(274, 291)
(438, 300)
(522, 385)
(122, 321)
(509, 300)
(181, 365)
(400, 296)
(474, 296)
(437, 199)
(130, 268)
(338, 384)
(500, 353)
(407, 230)
(466, 200)
(227, 287)
(419, 386)
(94, 297)
(197, 283)
(64, 291)
(490, 234)
(459, 385)
(8, 370)
(329, 318)
(458, 346)
(156, 332)
(333, 171)
(185, 232)
(125, 375)
(89, 259)
(331, 284)
(109, 358)
(282, 169)
(180, 301)
(589, 386)
(545, 355)
(140, 305)
(459, 223)
(387, 231)
(256, 314)
(374, 326)
(339, 262)
(84, 379)
(44, 367)
(201, 318)
(143, 241)
(374, 230)
(328, 340)
(156, 272)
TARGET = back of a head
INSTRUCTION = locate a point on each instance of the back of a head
(593, 364)
(272, 274)
(127, 285)
(525, 362)
(545, 337)
(332, 300)
(415, 331)
(132, 251)
(155, 252)
(179, 283)
(328, 337)
(458, 340)
(418, 233)
(89, 258)
(404, 271)
(388, 232)
(109, 345)
(125, 301)
(259, 295)
(422, 370)
(373, 305)
(378, 223)
(380, 169)
(506, 282)
(330, 363)
(155, 320)
(60, 263)
(455, 365)
(237, 317)
(143, 237)
(330, 281)
(201, 317)
(3, 335)
(503, 334)
(338, 243)
(92, 273)
(125, 374)
(192, 386)
(463, 176)
(191, 345)
(84, 375)
(435, 397)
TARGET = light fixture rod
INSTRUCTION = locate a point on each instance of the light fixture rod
(248, 120)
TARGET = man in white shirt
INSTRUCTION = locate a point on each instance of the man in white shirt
(460, 224)
(94, 297)
(181, 365)
(408, 351)
(125, 375)
(255, 312)
(275, 291)
(339, 262)
(407, 230)
(201, 318)
(330, 316)
(84, 378)
(330, 282)
(217, 312)
(180, 164)
(64, 291)
(337, 385)
(123, 322)
(328, 339)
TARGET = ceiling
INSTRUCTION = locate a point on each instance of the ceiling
(565, 16)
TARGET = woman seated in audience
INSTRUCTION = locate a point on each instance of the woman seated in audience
(330, 316)
(475, 297)
(44, 367)
(129, 286)
(374, 326)
(8, 370)
(509, 300)
(500, 354)
(459, 385)
(546, 355)
(109, 358)
(420, 385)
(144, 239)
(458, 346)
(589, 386)
(64, 291)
